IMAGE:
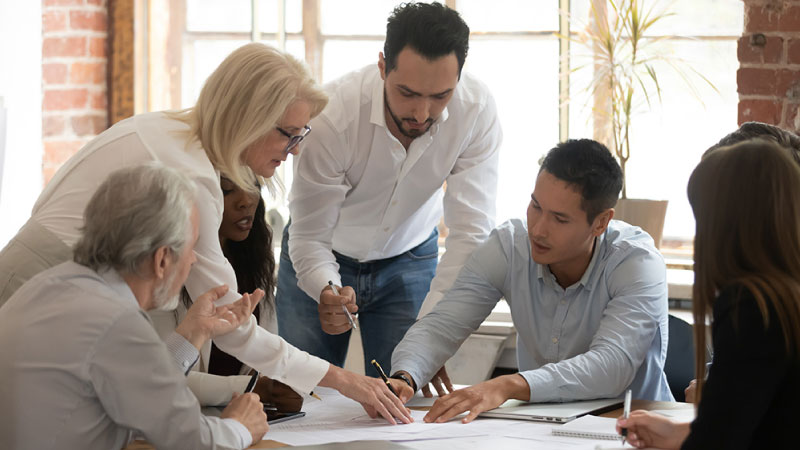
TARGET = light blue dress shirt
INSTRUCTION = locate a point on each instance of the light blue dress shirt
(595, 339)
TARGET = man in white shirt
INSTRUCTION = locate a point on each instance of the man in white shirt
(367, 192)
(82, 366)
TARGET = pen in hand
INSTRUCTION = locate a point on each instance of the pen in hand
(383, 377)
(346, 312)
(252, 383)
(626, 412)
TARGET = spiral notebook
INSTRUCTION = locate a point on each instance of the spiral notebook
(591, 427)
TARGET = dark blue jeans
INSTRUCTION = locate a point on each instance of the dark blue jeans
(389, 294)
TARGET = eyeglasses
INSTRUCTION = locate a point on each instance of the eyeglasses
(294, 139)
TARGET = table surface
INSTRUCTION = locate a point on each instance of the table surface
(635, 404)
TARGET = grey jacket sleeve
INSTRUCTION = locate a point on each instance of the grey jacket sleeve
(140, 387)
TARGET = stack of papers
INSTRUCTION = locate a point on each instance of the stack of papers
(336, 418)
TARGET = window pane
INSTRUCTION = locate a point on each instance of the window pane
(349, 17)
(526, 94)
(294, 16)
(268, 16)
(216, 15)
(341, 57)
(701, 18)
(296, 48)
(509, 15)
(667, 141)
(199, 60)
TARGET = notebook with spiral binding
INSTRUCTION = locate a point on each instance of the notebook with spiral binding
(591, 427)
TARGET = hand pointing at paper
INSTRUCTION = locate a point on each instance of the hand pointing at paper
(373, 394)
(479, 398)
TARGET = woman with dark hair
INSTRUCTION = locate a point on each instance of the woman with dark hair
(246, 242)
(746, 202)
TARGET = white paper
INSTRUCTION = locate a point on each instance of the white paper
(336, 418)
(681, 415)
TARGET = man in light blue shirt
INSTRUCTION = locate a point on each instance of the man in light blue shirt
(588, 298)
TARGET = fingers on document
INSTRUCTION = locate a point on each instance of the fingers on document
(390, 406)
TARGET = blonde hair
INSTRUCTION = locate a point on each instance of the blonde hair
(746, 201)
(242, 101)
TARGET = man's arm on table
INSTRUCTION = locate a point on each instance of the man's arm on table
(618, 348)
(438, 335)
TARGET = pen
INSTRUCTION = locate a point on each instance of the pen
(626, 411)
(383, 377)
(252, 383)
(314, 395)
(346, 312)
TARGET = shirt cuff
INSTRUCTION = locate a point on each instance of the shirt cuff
(315, 282)
(241, 430)
(184, 353)
(543, 385)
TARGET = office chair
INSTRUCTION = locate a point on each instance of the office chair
(679, 366)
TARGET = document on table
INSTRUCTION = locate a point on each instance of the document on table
(420, 401)
(336, 418)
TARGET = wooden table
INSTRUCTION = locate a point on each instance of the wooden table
(635, 404)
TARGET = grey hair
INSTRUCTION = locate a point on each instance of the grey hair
(134, 212)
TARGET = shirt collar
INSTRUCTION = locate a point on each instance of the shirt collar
(116, 283)
(589, 277)
(378, 117)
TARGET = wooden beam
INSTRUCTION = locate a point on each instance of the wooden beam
(313, 37)
(120, 60)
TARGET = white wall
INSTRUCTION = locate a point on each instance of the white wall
(21, 89)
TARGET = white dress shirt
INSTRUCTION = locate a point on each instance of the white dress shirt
(358, 191)
(83, 368)
(154, 136)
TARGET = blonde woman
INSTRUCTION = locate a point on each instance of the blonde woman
(746, 200)
(250, 115)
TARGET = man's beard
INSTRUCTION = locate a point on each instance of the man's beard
(161, 298)
(413, 134)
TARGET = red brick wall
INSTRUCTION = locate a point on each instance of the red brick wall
(73, 77)
(769, 57)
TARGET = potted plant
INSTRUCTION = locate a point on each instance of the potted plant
(625, 81)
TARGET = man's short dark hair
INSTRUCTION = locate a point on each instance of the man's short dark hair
(431, 29)
(759, 130)
(591, 169)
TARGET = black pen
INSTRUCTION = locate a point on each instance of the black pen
(383, 377)
(252, 383)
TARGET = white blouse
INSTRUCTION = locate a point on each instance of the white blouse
(155, 136)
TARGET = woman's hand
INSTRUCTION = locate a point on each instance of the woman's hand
(646, 429)
(373, 394)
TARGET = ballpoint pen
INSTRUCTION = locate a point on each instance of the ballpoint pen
(626, 411)
(346, 312)
(252, 383)
(383, 377)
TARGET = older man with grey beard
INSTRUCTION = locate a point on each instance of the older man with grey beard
(81, 365)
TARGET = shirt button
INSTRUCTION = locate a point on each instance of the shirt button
(394, 202)
(386, 229)
(555, 340)
(563, 302)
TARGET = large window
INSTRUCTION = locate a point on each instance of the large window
(515, 50)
